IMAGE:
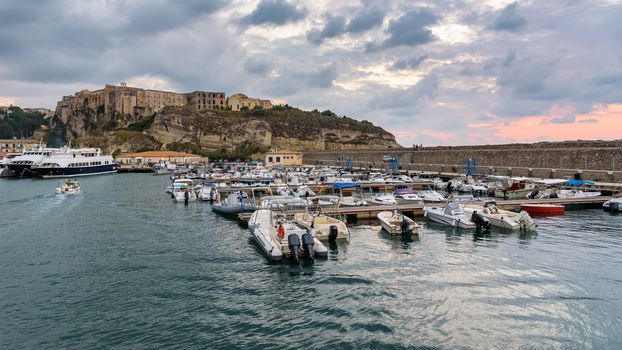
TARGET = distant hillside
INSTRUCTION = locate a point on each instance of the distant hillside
(15, 122)
(223, 133)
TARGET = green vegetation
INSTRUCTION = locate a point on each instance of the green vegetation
(16, 122)
(143, 124)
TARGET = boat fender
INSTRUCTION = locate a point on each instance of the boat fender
(293, 241)
(307, 245)
(333, 232)
(281, 231)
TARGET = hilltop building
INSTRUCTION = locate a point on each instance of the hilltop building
(239, 101)
(132, 101)
(16, 145)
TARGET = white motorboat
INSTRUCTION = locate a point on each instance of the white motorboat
(614, 204)
(182, 191)
(396, 223)
(454, 216)
(501, 218)
(347, 193)
(324, 228)
(382, 199)
(303, 191)
(280, 237)
(515, 188)
(407, 196)
(431, 196)
(236, 202)
(68, 187)
(324, 201)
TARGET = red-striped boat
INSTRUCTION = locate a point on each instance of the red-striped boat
(543, 209)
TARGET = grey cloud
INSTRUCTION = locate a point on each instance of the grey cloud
(275, 12)
(410, 29)
(509, 19)
(290, 82)
(333, 26)
(365, 21)
(409, 63)
(426, 88)
(569, 119)
(256, 66)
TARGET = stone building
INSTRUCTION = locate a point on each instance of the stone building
(132, 101)
(238, 101)
(16, 145)
(285, 158)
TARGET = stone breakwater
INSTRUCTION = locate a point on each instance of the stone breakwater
(596, 160)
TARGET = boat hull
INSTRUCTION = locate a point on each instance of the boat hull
(74, 171)
(460, 222)
(543, 209)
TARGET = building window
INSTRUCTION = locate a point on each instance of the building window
(278, 159)
(269, 159)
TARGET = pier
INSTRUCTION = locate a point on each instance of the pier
(370, 212)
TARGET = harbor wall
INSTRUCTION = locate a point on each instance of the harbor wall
(594, 160)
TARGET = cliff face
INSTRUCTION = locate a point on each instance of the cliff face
(240, 134)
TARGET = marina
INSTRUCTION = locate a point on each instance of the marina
(204, 271)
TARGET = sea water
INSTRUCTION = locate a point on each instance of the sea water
(123, 266)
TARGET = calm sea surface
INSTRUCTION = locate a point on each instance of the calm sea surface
(122, 266)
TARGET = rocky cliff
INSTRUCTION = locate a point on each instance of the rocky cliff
(228, 133)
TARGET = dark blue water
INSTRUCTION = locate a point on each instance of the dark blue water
(121, 266)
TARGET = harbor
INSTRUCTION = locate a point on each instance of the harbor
(204, 271)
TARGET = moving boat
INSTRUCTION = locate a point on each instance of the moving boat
(396, 223)
(71, 162)
(543, 209)
(614, 204)
(454, 216)
(501, 218)
(280, 237)
(69, 187)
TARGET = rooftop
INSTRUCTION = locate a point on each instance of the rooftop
(162, 154)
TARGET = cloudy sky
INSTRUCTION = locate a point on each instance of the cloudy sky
(432, 72)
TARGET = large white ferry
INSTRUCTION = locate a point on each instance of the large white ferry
(21, 165)
(71, 162)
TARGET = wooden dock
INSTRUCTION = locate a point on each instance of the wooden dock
(370, 212)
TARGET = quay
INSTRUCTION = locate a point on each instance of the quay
(413, 210)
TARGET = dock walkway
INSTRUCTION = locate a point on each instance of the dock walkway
(370, 212)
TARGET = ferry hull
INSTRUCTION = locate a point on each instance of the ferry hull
(75, 171)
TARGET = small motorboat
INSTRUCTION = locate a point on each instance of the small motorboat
(236, 202)
(407, 196)
(323, 227)
(454, 216)
(431, 196)
(501, 218)
(382, 199)
(69, 187)
(397, 223)
(280, 237)
(614, 204)
(543, 209)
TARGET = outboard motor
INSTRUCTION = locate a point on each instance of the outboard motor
(405, 226)
(332, 233)
(449, 188)
(293, 241)
(307, 245)
(553, 195)
(614, 206)
(480, 221)
(186, 197)
(532, 194)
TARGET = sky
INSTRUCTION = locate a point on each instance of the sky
(431, 72)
